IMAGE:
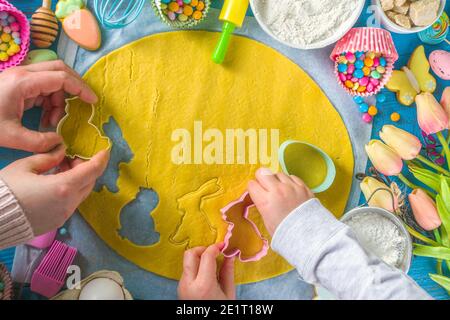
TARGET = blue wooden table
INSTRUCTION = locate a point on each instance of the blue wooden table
(405, 45)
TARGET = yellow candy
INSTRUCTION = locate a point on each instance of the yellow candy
(355, 86)
(342, 59)
(368, 62)
(362, 89)
(173, 6)
(373, 111)
(349, 84)
(381, 69)
(4, 56)
(200, 6)
(14, 48)
(395, 117)
(183, 17)
(366, 71)
(6, 37)
(188, 11)
(197, 15)
(4, 47)
(371, 55)
(194, 3)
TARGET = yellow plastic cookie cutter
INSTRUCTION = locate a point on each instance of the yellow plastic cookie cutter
(68, 130)
(331, 168)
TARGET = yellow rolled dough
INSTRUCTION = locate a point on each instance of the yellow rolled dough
(166, 82)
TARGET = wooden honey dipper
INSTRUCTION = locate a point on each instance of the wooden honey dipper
(44, 26)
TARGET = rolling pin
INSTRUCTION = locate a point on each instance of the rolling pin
(44, 26)
(232, 15)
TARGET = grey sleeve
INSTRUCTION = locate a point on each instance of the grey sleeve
(326, 253)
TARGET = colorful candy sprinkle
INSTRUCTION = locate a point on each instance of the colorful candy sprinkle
(395, 117)
(364, 69)
(373, 111)
(183, 10)
(367, 118)
(10, 40)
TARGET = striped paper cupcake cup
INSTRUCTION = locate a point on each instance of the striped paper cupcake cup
(156, 5)
(367, 39)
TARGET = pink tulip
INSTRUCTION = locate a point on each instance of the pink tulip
(407, 146)
(431, 116)
(424, 210)
(384, 158)
(445, 101)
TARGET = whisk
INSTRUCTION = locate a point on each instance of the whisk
(115, 14)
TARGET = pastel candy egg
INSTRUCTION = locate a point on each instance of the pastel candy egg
(362, 89)
(381, 98)
(373, 111)
(187, 10)
(374, 82)
(395, 117)
(14, 48)
(5, 37)
(355, 86)
(40, 55)
(383, 62)
(358, 74)
(370, 87)
(179, 11)
(371, 55)
(4, 56)
(15, 26)
(342, 77)
(342, 59)
(163, 6)
(182, 17)
(440, 63)
(15, 35)
(359, 64)
(173, 6)
(354, 79)
(180, 2)
(342, 68)
(350, 57)
(12, 19)
(10, 52)
(381, 69)
(200, 5)
(349, 84)
(349, 77)
(375, 74)
(368, 62)
(364, 81)
(197, 15)
(366, 71)
(363, 107)
(171, 15)
(351, 68)
(7, 30)
(187, 1)
(4, 15)
(4, 23)
(4, 46)
(376, 62)
(359, 54)
(367, 118)
(358, 99)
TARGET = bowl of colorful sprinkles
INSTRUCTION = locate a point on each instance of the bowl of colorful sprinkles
(181, 13)
(14, 36)
(364, 60)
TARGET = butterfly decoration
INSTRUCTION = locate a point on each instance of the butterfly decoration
(413, 79)
(431, 149)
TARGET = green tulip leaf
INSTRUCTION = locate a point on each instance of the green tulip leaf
(427, 177)
(432, 252)
(441, 280)
(445, 218)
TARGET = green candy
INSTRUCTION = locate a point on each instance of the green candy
(40, 55)
(65, 8)
(375, 74)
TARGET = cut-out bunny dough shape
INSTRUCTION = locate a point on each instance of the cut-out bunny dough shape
(82, 138)
(148, 101)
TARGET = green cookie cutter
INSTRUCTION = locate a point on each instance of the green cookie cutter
(331, 168)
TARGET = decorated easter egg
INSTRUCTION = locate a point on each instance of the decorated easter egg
(440, 63)
(40, 55)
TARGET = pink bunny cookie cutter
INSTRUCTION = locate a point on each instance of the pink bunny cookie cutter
(239, 210)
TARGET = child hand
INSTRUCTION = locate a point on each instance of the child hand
(199, 280)
(45, 85)
(49, 200)
(276, 195)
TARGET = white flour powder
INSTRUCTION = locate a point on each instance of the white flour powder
(304, 22)
(380, 236)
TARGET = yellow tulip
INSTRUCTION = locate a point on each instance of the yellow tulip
(424, 210)
(406, 145)
(431, 115)
(382, 198)
(384, 158)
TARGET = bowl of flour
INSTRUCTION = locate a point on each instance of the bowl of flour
(383, 234)
(307, 24)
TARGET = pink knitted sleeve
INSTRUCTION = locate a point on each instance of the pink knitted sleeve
(14, 226)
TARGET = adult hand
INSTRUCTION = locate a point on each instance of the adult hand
(49, 200)
(277, 195)
(44, 84)
(200, 281)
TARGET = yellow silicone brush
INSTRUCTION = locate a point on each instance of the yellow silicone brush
(232, 15)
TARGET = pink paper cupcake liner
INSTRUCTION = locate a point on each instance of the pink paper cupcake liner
(24, 35)
(261, 254)
(367, 39)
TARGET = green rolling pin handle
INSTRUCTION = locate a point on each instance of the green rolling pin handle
(222, 46)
